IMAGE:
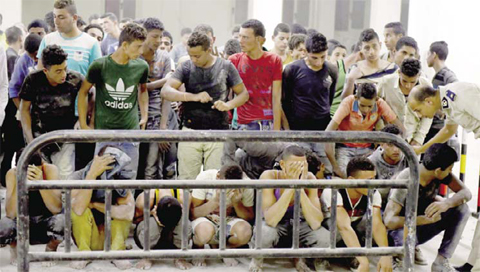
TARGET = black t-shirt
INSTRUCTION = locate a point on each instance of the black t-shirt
(53, 108)
(216, 81)
(308, 94)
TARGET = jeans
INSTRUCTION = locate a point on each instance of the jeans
(42, 229)
(131, 149)
(257, 125)
(453, 222)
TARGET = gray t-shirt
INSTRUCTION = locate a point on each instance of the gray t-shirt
(385, 170)
(106, 43)
(216, 81)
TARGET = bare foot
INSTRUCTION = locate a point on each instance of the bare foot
(256, 265)
(301, 266)
(182, 264)
(144, 264)
(230, 261)
(122, 264)
(199, 262)
(13, 255)
(79, 265)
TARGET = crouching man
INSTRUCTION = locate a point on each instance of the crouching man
(277, 206)
(88, 206)
(45, 209)
(434, 214)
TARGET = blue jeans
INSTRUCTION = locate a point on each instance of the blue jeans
(257, 125)
(131, 149)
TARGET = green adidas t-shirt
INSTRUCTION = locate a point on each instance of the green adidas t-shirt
(116, 98)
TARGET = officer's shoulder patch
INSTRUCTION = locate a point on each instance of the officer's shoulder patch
(445, 103)
(451, 95)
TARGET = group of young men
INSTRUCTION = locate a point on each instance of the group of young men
(114, 77)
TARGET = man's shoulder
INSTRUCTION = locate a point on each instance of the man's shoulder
(139, 62)
(36, 75)
(87, 40)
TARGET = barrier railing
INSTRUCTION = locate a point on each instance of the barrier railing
(23, 186)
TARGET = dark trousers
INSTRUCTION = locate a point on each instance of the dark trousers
(12, 140)
(42, 229)
(309, 124)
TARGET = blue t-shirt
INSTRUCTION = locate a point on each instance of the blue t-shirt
(25, 64)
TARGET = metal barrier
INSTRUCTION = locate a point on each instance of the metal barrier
(25, 256)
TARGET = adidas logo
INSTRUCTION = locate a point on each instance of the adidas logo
(119, 93)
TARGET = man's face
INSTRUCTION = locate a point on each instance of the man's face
(96, 33)
(198, 56)
(422, 109)
(392, 152)
(300, 52)
(154, 37)
(64, 21)
(316, 60)
(363, 175)
(109, 25)
(439, 174)
(391, 38)
(338, 54)
(134, 49)
(57, 73)
(248, 40)
(407, 83)
(430, 58)
(371, 50)
(403, 53)
(166, 44)
(40, 31)
(291, 163)
(366, 105)
(281, 41)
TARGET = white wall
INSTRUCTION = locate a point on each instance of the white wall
(323, 17)
(383, 12)
(269, 12)
(11, 11)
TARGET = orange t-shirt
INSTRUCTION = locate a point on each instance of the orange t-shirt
(350, 118)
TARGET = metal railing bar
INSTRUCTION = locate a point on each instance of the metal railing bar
(258, 219)
(108, 220)
(223, 219)
(333, 219)
(185, 219)
(296, 219)
(369, 214)
(146, 219)
(68, 221)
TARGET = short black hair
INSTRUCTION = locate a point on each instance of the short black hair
(359, 164)
(204, 28)
(439, 156)
(232, 46)
(410, 67)
(35, 159)
(331, 43)
(231, 171)
(81, 22)
(69, 5)
(296, 40)
(111, 16)
(366, 90)
(132, 32)
(127, 20)
(440, 48)
(406, 41)
(397, 27)
(424, 92)
(168, 35)
(356, 47)
(368, 35)
(139, 21)
(49, 19)
(169, 211)
(93, 17)
(314, 162)
(392, 129)
(90, 26)
(236, 29)
(311, 31)
(13, 34)
(38, 23)
(281, 27)
(257, 27)
(199, 39)
(293, 150)
(331, 49)
(153, 23)
(185, 30)
(316, 43)
(32, 43)
(53, 55)
(298, 29)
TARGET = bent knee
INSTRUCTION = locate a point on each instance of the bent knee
(204, 232)
(243, 231)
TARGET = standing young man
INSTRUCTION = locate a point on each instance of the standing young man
(82, 49)
(48, 104)
(15, 44)
(392, 32)
(207, 81)
(281, 36)
(296, 44)
(120, 81)
(38, 27)
(110, 26)
(405, 48)
(262, 74)
(180, 49)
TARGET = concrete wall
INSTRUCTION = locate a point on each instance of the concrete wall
(270, 13)
(11, 11)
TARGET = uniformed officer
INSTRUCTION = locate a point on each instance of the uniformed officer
(458, 101)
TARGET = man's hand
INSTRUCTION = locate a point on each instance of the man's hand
(203, 97)
(34, 173)
(101, 164)
(304, 174)
(221, 106)
(235, 196)
(294, 170)
(364, 265)
(385, 264)
(436, 209)
(143, 124)
(163, 146)
(414, 143)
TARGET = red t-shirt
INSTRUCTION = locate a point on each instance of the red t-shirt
(258, 77)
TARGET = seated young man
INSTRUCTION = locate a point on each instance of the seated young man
(205, 209)
(88, 206)
(434, 214)
(359, 112)
(277, 206)
(351, 213)
(45, 206)
(165, 227)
